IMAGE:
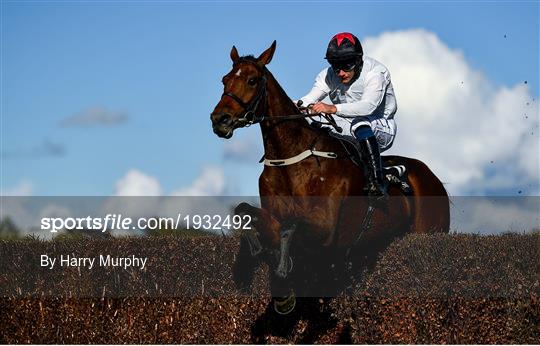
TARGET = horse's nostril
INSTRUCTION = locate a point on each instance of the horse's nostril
(224, 119)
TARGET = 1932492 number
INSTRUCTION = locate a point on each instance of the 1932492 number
(217, 222)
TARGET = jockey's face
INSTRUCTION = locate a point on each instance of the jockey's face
(346, 76)
(344, 69)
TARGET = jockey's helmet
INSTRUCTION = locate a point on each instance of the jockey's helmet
(344, 46)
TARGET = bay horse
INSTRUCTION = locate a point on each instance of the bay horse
(312, 193)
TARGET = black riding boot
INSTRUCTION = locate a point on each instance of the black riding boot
(371, 157)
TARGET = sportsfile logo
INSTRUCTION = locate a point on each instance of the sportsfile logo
(118, 222)
(109, 222)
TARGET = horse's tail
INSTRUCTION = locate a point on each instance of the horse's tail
(431, 206)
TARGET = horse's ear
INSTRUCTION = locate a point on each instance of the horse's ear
(267, 55)
(234, 54)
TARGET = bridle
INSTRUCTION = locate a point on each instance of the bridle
(250, 116)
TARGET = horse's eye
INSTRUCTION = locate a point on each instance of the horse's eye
(252, 81)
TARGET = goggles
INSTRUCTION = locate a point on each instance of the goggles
(345, 66)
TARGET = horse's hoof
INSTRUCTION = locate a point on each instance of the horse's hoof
(285, 305)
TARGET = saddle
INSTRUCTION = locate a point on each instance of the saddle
(394, 172)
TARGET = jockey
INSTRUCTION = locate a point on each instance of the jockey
(363, 103)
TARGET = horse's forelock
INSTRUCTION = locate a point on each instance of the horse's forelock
(251, 60)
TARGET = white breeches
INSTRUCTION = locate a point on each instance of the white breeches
(384, 129)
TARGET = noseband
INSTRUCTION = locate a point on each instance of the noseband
(250, 117)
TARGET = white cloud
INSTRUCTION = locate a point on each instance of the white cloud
(136, 183)
(23, 188)
(472, 133)
(211, 182)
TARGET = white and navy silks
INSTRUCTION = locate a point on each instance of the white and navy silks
(369, 100)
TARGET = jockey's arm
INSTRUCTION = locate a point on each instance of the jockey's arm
(372, 97)
(319, 90)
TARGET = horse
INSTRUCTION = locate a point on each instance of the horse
(314, 211)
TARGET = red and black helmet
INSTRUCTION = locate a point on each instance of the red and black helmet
(344, 46)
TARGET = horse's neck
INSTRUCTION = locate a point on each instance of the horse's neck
(288, 138)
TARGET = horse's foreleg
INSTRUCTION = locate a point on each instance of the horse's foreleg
(284, 297)
(285, 261)
(259, 233)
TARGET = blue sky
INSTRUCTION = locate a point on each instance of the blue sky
(153, 70)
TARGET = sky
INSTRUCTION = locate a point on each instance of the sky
(114, 97)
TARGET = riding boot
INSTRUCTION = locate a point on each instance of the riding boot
(369, 152)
